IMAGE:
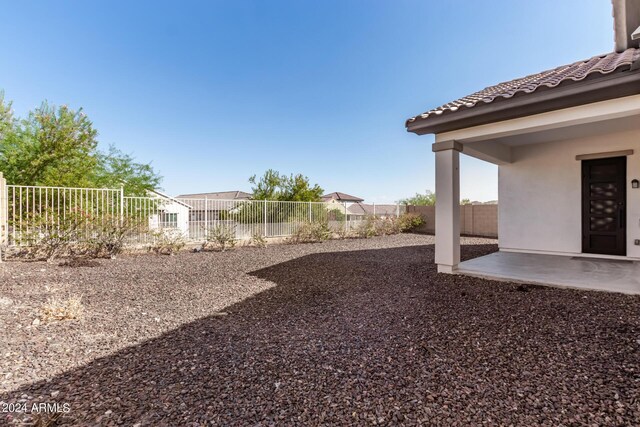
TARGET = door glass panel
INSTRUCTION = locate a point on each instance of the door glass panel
(603, 189)
(604, 171)
(603, 224)
(603, 207)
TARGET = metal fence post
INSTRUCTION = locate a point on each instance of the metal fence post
(374, 209)
(346, 217)
(310, 215)
(4, 213)
(121, 205)
(265, 217)
(206, 217)
(397, 210)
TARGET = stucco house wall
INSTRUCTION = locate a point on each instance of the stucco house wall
(182, 212)
(540, 194)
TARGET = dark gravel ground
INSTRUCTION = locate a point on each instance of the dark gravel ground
(358, 332)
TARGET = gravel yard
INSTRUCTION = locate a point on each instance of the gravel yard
(343, 332)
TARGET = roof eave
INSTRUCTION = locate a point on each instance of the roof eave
(570, 94)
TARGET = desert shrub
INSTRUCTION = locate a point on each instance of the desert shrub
(110, 234)
(56, 309)
(410, 221)
(258, 239)
(221, 237)
(342, 232)
(309, 232)
(386, 226)
(167, 242)
(49, 235)
(367, 228)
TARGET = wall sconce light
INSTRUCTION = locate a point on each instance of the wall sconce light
(635, 184)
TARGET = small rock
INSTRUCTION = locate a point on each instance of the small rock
(35, 322)
(55, 394)
(220, 314)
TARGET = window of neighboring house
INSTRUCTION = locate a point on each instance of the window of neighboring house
(196, 215)
(168, 220)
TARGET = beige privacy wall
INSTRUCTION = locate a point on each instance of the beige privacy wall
(475, 220)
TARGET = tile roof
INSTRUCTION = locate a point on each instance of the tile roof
(343, 197)
(598, 65)
(220, 195)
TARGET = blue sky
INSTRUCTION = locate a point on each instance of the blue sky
(213, 92)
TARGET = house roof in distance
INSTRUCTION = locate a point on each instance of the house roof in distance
(591, 69)
(220, 195)
(341, 197)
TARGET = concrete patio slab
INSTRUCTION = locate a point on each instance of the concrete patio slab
(573, 272)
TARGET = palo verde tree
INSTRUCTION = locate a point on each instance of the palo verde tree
(58, 146)
(274, 186)
(293, 188)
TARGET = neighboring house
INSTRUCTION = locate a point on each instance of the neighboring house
(359, 210)
(222, 201)
(342, 198)
(567, 145)
(171, 213)
(340, 202)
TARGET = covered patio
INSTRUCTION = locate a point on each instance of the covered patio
(562, 271)
(567, 145)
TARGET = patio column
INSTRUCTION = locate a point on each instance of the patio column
(447, 255)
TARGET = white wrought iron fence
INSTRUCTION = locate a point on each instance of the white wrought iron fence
(29, 211)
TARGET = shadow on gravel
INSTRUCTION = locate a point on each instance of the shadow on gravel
(373, 336)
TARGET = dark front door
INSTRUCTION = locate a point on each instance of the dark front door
(604, 197)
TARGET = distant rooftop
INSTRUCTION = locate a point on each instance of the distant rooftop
(340, 197)
(220, 195)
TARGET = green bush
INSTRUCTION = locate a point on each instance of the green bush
(410, 221)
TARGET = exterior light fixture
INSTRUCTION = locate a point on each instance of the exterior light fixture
(635, 184)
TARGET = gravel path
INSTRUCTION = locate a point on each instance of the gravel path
(344, 332)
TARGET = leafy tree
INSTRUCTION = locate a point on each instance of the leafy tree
(7, 122)
(116, 168)
(426, 199)
(58, 146)
(53, 146)
(465, 202)
(267, 186)
(275, 186)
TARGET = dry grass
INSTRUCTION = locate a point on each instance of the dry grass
(56, 309)
(46, 420)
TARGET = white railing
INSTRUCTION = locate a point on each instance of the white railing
(32, 210)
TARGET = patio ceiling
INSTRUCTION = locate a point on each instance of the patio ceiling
(493, 142)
